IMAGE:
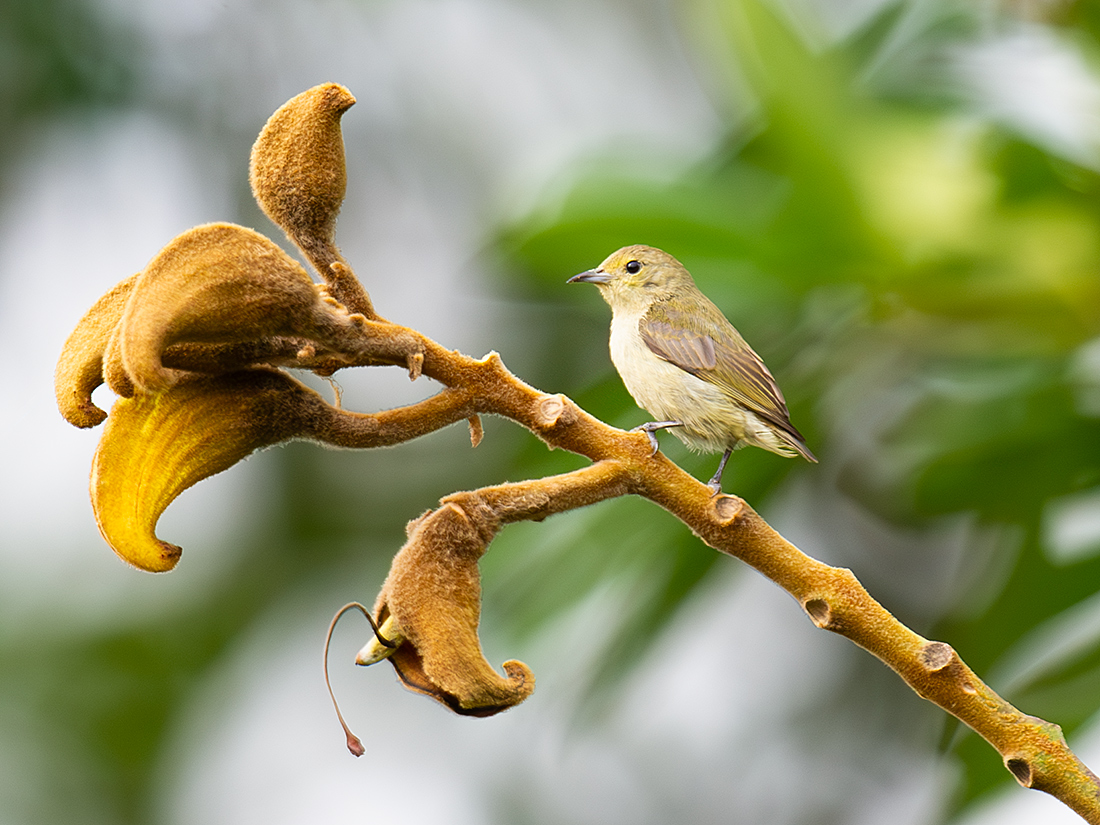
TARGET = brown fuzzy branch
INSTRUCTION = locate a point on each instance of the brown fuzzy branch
(1034, 751)
(388, 427)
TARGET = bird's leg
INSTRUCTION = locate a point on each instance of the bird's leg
(652, 427)
(715, 483)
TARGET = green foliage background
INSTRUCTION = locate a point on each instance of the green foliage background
(926, 285)
(923, 281)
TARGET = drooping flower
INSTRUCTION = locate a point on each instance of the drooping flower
(431, 603)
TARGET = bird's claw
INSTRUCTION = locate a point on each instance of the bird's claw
(651, 427)
(715, 482)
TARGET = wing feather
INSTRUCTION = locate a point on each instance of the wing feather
(715, 352)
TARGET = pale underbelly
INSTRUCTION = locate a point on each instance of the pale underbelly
(712, 421)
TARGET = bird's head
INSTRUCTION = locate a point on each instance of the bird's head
(635, 276)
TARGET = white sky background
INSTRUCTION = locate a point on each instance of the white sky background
(468, 111)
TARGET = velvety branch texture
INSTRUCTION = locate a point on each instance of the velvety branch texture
(195, 344)
(1033, 750)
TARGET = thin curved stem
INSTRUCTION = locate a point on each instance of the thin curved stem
(354, 743)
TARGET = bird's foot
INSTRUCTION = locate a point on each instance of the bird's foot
(652, 427)
(715, 482)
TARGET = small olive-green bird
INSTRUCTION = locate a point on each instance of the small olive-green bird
(684, 363)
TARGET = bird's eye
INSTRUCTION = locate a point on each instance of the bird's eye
(633, 267)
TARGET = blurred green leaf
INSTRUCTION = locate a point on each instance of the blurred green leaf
(56, 54)
(930, 279)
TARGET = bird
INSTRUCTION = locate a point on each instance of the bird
(683, 362)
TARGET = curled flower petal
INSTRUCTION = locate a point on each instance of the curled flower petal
(155, 446)
(433, 594)
(80, 366)
(297, 170)
(114, 373)
(223, 284)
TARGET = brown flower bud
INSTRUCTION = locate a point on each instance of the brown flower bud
(297, 170)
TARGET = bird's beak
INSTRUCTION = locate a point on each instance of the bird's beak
(591, 276)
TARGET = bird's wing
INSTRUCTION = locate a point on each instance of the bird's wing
(720, 357)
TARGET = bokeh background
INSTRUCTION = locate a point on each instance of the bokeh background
(896, 201)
